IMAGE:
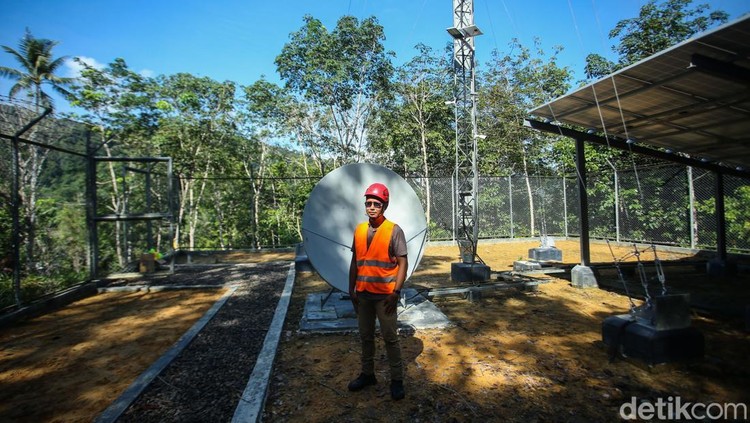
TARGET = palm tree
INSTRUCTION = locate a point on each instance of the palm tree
(37, 68)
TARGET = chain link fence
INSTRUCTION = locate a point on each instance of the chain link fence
(667, 204)
(42, 203)
(47, 239)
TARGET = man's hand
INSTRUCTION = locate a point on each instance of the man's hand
(355, 300)
(391, 303)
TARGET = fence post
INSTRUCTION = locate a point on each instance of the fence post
(721, 222)
(617, 206)
(453, 208)
(565, 206)
(91, 223)
(693, 230)
(510, 203)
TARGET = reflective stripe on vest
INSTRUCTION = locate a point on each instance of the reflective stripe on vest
(376, 270)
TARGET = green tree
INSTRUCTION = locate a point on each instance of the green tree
(657, 27)
(341, 74)
(737, 217)
(37, 67)
(262, 111)
(513, 84)
(414, 131)
(117, 104)
(117, 101)
(196, 124)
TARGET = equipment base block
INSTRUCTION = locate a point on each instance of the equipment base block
(583, 277)
(640, 340)
(470, 272)
(545, 254)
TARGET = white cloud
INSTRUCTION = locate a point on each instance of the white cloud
(75, 68)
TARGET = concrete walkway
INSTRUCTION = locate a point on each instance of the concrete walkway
(333, 312)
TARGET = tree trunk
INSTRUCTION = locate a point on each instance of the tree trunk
(530, 193)
(426, 170)
(116, 202)
(219, 210)
(196, 200)
(278, 220)
(256, 181)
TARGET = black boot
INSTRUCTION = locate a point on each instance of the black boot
(361, 381)
(397, 390)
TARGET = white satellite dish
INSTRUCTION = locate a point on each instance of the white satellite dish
(336, 207)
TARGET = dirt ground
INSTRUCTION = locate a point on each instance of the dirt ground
(513, 356)
(70, 365)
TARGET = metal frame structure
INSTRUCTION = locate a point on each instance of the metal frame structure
(466, 174)
(688, 104)
(93, 219)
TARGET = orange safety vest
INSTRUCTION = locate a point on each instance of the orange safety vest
(376, 270)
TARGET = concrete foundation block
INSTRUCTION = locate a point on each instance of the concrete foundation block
(545, 254)
(524, 266)
(474, 295)
(583, 277)
(671, 311)
(718, 268)
(470, 272)
(637, 339)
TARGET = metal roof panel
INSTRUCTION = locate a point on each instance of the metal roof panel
(693, 98)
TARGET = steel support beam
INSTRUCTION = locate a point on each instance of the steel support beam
(635, 148)
(719, 170)
(583, 203)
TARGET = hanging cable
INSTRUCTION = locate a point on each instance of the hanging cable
(659, 271)
(621, 277)
(642, 276)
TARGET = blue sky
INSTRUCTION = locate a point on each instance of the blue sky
(238, 40)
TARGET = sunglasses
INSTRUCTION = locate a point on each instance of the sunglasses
(373, 204)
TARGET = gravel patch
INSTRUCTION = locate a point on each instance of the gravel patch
(205, 382)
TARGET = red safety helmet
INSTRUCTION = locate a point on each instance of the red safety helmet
(378, 191)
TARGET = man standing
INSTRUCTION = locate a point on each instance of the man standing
(376, 275)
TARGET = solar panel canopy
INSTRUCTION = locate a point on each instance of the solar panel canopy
(691, 99)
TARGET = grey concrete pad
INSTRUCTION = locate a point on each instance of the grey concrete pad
(583, 277)
(333, 312)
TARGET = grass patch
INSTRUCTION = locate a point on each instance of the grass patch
(34, 287)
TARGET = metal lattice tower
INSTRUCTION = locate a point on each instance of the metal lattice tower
(466, 173)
